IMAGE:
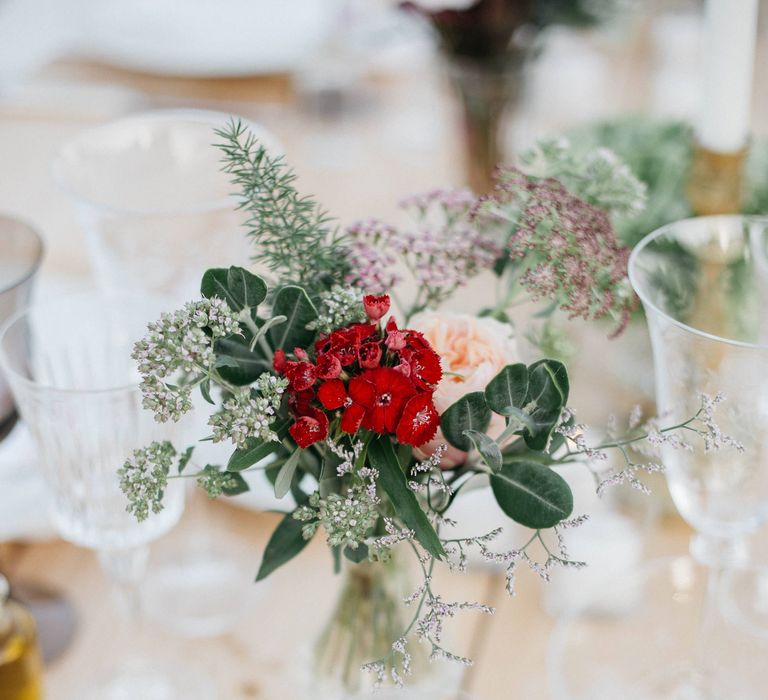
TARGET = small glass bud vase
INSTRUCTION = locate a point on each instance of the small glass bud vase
(21, 667)
(368, 619)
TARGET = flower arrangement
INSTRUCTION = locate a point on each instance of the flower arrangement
(390, 413)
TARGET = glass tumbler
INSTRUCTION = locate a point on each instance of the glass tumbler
(154, 204)
(69, 366)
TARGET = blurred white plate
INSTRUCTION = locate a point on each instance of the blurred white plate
(200, 38)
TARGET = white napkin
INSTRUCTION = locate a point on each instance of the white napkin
(23, 504)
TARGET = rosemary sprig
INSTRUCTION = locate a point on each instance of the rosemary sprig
(292, 234)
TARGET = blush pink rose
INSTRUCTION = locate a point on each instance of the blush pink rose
(475, 349)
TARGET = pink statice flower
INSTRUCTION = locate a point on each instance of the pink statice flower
(567, 247)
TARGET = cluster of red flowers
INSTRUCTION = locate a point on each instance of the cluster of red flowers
(371, 377)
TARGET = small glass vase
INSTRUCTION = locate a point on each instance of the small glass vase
(369, 616)
(488, 91)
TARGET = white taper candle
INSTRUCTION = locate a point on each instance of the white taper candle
(728, 64)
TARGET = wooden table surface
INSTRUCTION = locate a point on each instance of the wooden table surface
(399, 139)
(261, 656)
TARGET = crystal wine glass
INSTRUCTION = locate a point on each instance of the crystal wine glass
(155, 206)
(68, 364)
(703, 285)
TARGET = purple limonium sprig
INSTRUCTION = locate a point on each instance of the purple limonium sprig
(442, 251)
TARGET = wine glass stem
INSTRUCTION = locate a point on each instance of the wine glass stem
(717, 554)
(125, 569)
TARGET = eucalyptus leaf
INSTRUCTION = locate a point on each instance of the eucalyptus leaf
(532, 494)
(293, 303)
(256, 450)
(185, 457)
(356, 555)
(487, 447)
(238, 364)
(214, 284)
(547, 395)
(470, 412)
(285, 543)
(392, 479)
(205, 391)
(248, 289)
(508, 389)
(329, 479)
(285, 475)
(238, 287)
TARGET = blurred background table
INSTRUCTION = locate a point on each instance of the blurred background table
(391, 134)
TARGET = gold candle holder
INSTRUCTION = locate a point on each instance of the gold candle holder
(716, 181)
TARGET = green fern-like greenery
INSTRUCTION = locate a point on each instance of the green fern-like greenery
(292, 234)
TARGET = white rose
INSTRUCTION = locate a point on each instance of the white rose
(473, 350)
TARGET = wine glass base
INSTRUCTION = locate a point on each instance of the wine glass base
(140, 679)
(658, 649)
(744, 599)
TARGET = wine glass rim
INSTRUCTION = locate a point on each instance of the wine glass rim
(9, 370)
(210, 117)
(639, 289)
(33, 264)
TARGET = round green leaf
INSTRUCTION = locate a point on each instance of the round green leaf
(508, 389)
(470, 412)
(532, 494)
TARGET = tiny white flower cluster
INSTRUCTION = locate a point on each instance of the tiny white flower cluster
(575, 433)
(339, 307)
(347, 457)
(250, 412)
(144, 477)
(178, 343)
(216, 482)
(436, 480)
(346, 518)
(380, 547)
(628, 475)
(710, 431)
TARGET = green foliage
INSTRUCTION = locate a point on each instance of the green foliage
(470, 412)
(508, 388)
(292, 234)
(532, 398)
(532, 494)
(547, 395)
(239, 288)
(487, 447)
(237, 363)
(286, 542)
(285, 475)
(293, 303)
(256, 450)
(393, 481)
